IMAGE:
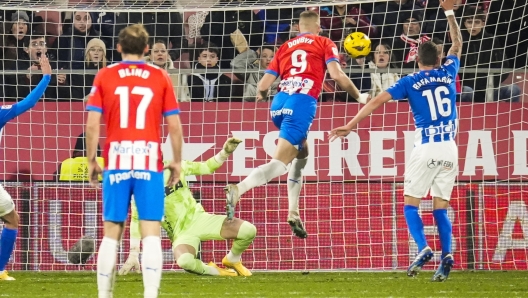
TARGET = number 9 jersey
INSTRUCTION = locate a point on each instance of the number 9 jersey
(133, 97)
(301, 64)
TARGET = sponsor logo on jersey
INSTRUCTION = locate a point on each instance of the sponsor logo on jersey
(6, 107)
(133, 155)
(335, 51)
(441, 129)
(92, 91)
(281, 112)
(118, 177)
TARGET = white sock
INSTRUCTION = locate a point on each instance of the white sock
(210, 270)
(233, 258)
(262, 175)
(295, 181)
(106, 262)
(151, 265)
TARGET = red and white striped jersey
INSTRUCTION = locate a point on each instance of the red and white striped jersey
(133, 97)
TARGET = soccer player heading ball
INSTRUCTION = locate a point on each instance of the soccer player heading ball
(301, 63)
(133, 97)
(434, 160)
(187, 224)
(8, 213)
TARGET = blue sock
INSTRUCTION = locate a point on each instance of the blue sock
(7, 243)
(415, 225)
(445, 230)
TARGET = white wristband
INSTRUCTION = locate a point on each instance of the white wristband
(449, 13)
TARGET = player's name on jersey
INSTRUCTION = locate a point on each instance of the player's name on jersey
(422, 82)
(299, 41)
(134, 72)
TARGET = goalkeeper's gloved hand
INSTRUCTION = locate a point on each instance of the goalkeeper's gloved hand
(231, 144)
(131, 263)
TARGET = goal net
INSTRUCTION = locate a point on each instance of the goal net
(215, 52)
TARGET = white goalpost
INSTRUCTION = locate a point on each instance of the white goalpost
(352, 199)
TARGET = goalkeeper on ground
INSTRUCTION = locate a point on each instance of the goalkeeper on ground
(187, 224)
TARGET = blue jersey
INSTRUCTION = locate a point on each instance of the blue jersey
(432, 97)
(9, 112)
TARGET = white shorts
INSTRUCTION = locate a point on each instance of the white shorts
(432, 166)
(6, 202)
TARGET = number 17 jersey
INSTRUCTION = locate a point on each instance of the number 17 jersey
(301, 64)
(133, 97)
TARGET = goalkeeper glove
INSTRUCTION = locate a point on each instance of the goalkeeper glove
(231, 144)
(131, 263)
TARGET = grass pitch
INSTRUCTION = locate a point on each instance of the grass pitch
(343, 284)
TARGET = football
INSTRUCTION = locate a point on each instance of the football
(357, 45)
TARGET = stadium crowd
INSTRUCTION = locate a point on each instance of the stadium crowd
(225, 52)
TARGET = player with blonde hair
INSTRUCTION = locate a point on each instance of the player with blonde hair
(301, 63)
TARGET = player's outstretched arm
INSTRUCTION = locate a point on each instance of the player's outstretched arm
(33, 97)
(92, 139)
(454, 29)
(370, 107)
(337, 74)
(264, 86)
(212, 164)
(176, 137)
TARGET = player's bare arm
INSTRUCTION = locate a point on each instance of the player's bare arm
(337, 74)
(454, 29)
(264, 86)
(370, 107)
(176, 137)
(92, 139)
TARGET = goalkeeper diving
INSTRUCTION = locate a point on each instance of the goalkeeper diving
(187, 224)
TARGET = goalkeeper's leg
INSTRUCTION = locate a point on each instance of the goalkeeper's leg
(295, 181)
(185, 256)
(243, 233)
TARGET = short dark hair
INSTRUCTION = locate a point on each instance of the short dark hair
(29, 38)
(155, 41)
(268, 47)
(428, 53)
(474, 13)
(133, 39)
(209, 46)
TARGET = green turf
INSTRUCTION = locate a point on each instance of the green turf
(460, 284)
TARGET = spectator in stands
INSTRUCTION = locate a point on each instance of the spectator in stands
(159, 56)
(208, 86)
(382, 61)
(105, 23)
(342, 19)
(71, 45)
(332, 91)
(253, 60)
(387, 14)
(94, 59)
(19, 85)
(166, 25)
(483, 50)
(405, 46)
(508, 21)
(219, 25)
(14, 40)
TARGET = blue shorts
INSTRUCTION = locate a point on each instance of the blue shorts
(293, 115)
(146, 186)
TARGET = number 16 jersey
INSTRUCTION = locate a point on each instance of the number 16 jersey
(301, 64)
(133, 97)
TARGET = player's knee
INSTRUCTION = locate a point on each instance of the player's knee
(186, 261)
(247, 231)
(11, 220)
